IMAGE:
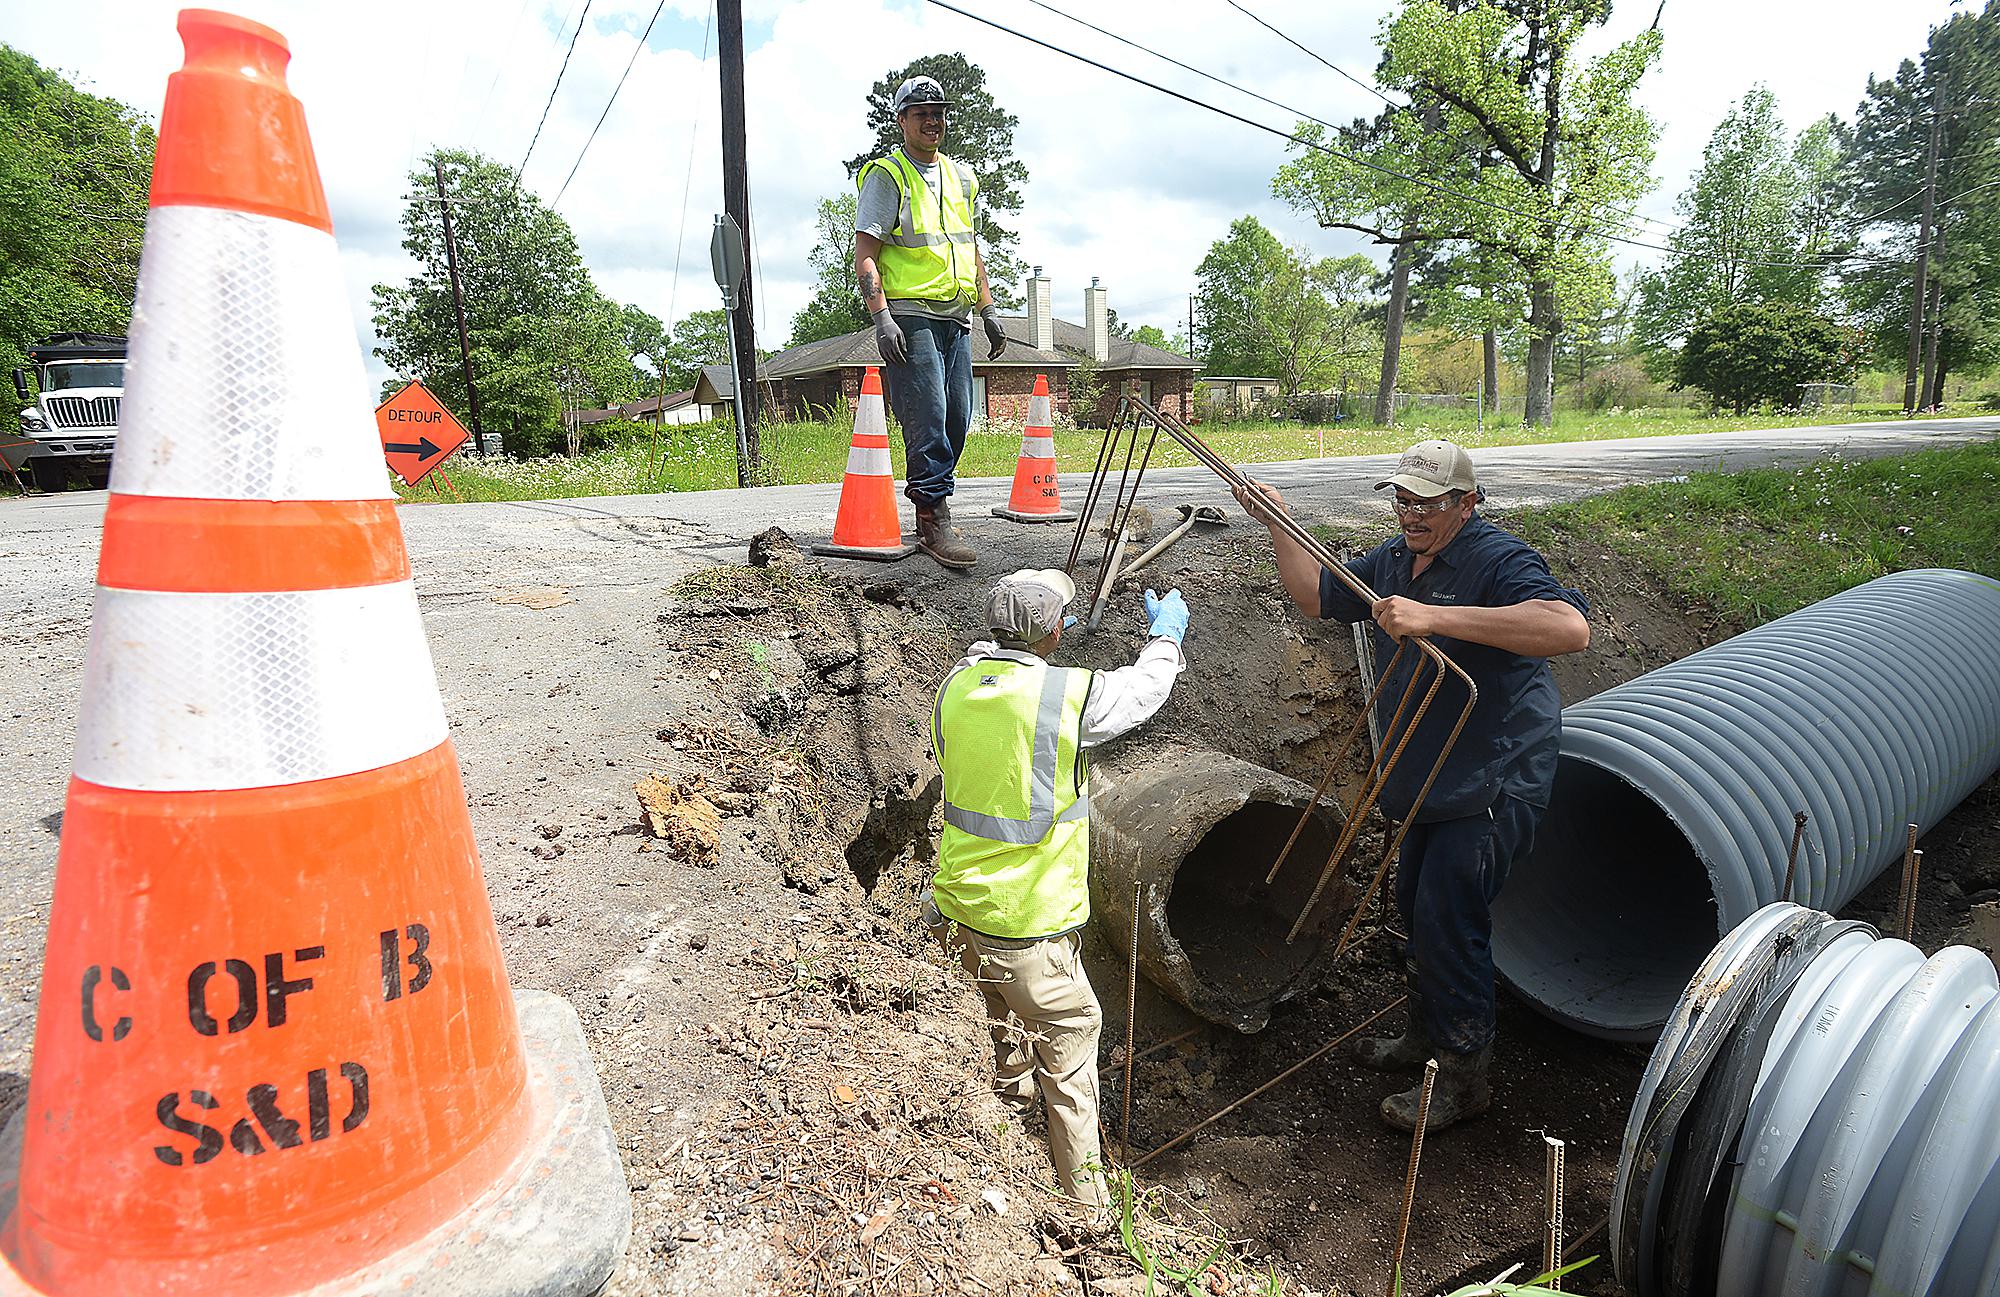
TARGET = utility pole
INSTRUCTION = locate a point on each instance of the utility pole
(736, 202)
(1914, 355)
(458, 305)
(1191, 351)
(1933, 389)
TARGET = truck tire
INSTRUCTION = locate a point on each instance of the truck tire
(50, 475)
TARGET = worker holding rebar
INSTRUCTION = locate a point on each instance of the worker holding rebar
(1487, 600)
(916, 258)
(1010, 896)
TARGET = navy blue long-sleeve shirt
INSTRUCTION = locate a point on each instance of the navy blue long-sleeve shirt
(1510, 744)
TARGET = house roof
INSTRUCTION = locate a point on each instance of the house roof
(635, 409)
(1124, 352)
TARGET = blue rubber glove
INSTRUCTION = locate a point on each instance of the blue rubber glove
(1068, 622)
(1167, 615)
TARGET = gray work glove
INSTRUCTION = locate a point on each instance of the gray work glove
(996, 333)
(889, 338)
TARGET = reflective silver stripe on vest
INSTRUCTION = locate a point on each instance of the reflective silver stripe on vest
(906, 216)
(1042, 814)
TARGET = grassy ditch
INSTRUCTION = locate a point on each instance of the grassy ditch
(641, 459)
(1756, 545)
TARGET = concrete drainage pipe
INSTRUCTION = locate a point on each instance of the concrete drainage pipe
(1673, 808)
(1198, 831)
(1817, 1118)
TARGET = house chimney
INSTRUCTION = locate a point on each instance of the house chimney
(1041, 317)
(1097, 322)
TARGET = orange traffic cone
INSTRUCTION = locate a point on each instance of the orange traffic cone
(1036, 497)
(868, 523)
(276, 1048)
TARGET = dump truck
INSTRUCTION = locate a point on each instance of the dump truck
(70, 421)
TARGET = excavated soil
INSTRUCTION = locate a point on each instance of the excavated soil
(801, 1100)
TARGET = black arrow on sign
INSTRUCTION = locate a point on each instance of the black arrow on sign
(422, 450)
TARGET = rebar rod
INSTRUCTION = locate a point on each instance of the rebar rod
(1906, 893)
(1170, 1041)
(1328, 561)
(1131, 1025)
(1285, 1075)
(1792, 859)
(1097, 475)
(1340, 755)
(1410, 1178)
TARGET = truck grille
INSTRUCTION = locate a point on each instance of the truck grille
(83, 411)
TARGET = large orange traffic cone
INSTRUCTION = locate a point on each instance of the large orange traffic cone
(868, 523)
(1036, 497)
(276, 1047)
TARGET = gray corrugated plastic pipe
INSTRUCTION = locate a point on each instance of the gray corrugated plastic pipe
(1674, 800)
(1817, 1118)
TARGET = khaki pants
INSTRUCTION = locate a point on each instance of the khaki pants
(1053, 1045)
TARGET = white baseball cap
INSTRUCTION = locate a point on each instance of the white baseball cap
(1433, 468)
(1023, 607)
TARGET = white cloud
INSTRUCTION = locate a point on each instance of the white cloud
(1125, 184)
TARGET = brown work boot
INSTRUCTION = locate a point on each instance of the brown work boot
(1461, 1092)
(939, 539)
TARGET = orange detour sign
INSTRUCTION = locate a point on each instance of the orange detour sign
(418, 433)
(1036, 496)
(868, 523)
(276, 1049)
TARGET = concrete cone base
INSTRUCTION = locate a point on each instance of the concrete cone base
(1015, 515)
(554, 1226)
(882, 554)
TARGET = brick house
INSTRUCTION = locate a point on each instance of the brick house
(809, 380)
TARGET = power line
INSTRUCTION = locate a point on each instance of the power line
(552, 93)
(1371, 89)
(1430, 186)
(503, 63)
(607, 103)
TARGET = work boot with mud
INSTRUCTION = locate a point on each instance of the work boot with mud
(1404, 1053)
(939, 539)
(1461, 1092)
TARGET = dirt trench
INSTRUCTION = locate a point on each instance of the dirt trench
(835, 1133)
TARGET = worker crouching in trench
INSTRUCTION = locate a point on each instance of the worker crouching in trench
(1011, 897)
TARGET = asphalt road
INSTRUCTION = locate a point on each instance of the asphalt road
(614, 556)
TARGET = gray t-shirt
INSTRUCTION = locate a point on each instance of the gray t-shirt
(876, 214)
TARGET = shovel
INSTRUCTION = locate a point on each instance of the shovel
(1206, 515)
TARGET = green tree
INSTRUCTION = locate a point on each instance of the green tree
(836, 306)
(1883, 173)
(980, 134)
(74, 169)
(699, 338)
(1152, 336)
(645, 338)
(1751, 353)
(1229, 279)
(1310, 316)
(1565, 143)
(531, 309)
(1753, 225)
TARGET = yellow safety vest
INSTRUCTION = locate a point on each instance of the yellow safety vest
(1015, 855)
(929, 255)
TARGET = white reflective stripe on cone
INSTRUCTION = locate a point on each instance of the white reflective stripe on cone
(1038, 448)
(870, 461)
(245, 379)
(869, 419)
(1038, 412)
(212, 691)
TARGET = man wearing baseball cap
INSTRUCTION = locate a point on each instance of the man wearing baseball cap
(1487, 600)
(1010, 897)
(917, 260)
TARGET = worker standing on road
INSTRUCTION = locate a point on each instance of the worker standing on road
(917, 260)
(1010, 897)
(1486, 599)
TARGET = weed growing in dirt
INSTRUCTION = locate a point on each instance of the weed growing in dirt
(1498, 1286)
(1759, 544)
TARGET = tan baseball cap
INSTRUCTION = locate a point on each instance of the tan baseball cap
(1431, 468)
(1025, 606)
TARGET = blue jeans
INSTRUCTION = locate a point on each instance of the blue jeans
(931, 393)
(1447, 876)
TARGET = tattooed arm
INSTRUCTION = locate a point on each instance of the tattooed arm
(867, 273)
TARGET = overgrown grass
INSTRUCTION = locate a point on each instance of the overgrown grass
(1759, 544)
(702, 457)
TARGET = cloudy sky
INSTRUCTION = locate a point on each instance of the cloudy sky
(1125, 184)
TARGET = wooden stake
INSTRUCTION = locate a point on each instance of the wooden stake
(1410, 1179)
(1552, 1239)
